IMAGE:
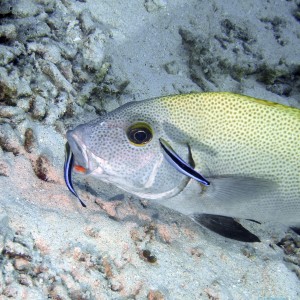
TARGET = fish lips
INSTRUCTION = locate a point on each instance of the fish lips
(79, 150)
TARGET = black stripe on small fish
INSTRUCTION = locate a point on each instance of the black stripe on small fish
(69, 161)
(180, 165)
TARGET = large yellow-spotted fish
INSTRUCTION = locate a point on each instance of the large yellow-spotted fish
(212, 156)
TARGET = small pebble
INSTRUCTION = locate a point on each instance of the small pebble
(155, 295)
(93, 50)
(39, 107)
(154, 5)
(87, 23)
(29, 142)
(4, 169)
(172, 68)
(6, 55)
(10, 111)
(25, 279)
(22, 264)
(8, 32)
(148, 257)
(24, 104)
(25, 8)
(9, 140)
(53, 72)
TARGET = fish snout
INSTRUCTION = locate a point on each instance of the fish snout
(78, 148)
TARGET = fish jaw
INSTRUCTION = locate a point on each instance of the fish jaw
(81, 153)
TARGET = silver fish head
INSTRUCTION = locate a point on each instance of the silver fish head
(123, 148)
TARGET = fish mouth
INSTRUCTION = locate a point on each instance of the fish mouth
(80, 152)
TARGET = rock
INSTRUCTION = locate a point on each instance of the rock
(8, 32)
(25, 240)
(10, 111)
(23, 88)
(24, 104)
(93, 51)
(85, 93)
(25, 280)
(4, 171)
(9, 140)
(17, 49)
(44, 87)
(80, 74)
(22, 264)
(92, 231)
(32, 28)
(49, 5)
(73, 33)
(66, 69)
(110, 104)
(208, 66)
(6, 8)
(34, 47)
(116, 285)
(59, 292)
(8, 88)
(12, 86)
(49, 52)
(12, 291)
(172, 68)
(100, 75)
(75, 109)
(87, 23)
(68, 51)
(25, 8)
(5, 230)
(154, 5)
(30, 140)
(155, 295)
(52, 53)
(16, 250)
(8, 272)
(53, 72)
(39, 107)
(57, 109)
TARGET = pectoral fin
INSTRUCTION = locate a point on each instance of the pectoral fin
(230, 196)
(235, 188)
(226, 226)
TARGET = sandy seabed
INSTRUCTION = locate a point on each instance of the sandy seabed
(62, 63)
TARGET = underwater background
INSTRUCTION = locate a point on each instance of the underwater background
(63, 63)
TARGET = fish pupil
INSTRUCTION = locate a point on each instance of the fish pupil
(139, 135)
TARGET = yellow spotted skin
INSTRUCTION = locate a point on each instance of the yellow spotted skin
(247, 136)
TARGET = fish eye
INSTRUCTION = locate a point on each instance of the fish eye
(139, 134)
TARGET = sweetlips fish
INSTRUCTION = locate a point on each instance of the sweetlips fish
(212, 156)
